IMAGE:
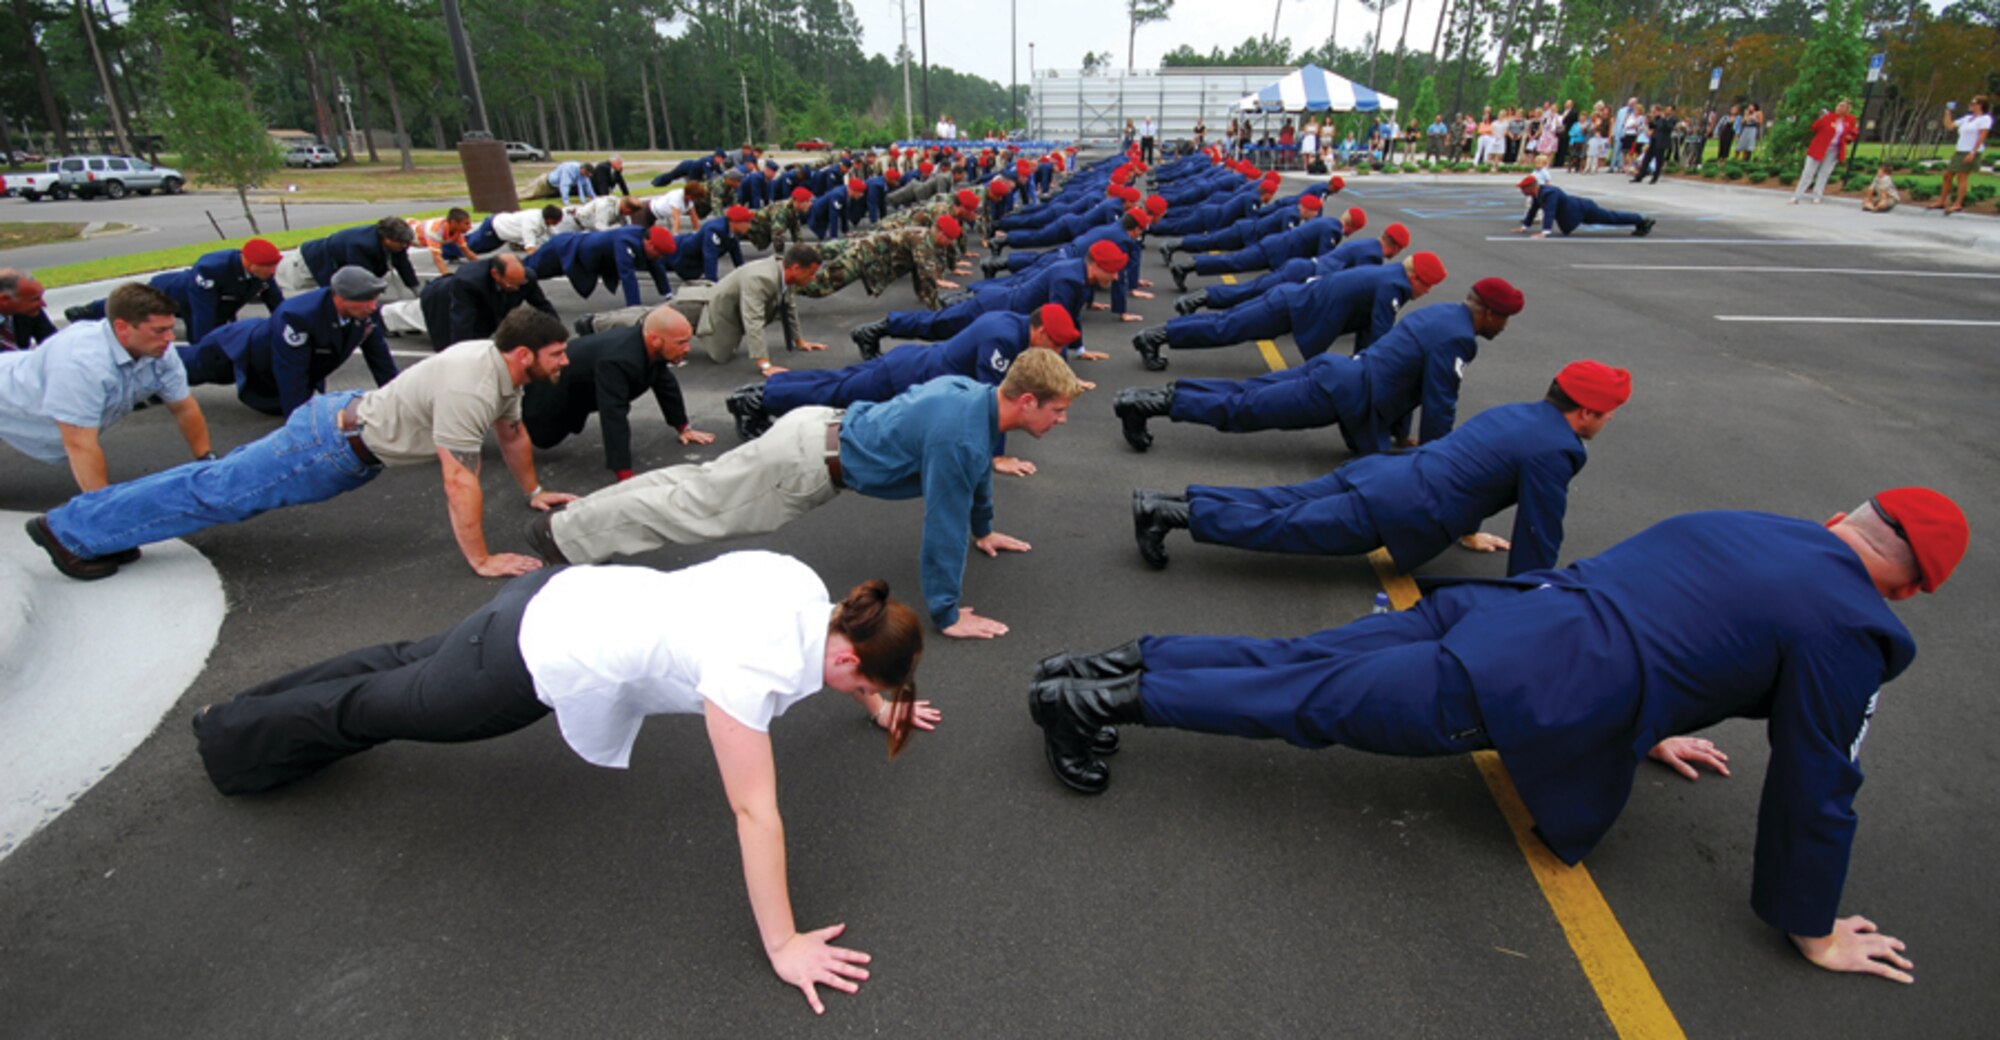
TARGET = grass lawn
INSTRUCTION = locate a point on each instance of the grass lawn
(437, 176)
(16, 235)
(170, 258)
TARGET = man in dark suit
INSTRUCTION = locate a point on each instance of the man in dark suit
(607, 372)
(607, 175)
(470, 302)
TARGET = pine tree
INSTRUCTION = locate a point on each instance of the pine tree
(1419, 110)
(1506, 89)
(1833, 67)
(1576, 83)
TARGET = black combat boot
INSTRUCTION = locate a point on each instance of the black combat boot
(1645, 228)
(1192, 302)
(1106, 664)
(746, 403)
(1153, 515)
(1136, 404)
(869, 338)
(1167, 252)
(992, 266)
(1180, 272)
(1072, 712)
(1148, 343)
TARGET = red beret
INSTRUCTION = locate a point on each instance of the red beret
(1595, 385)
(925, 169)
(802, 195)
(893, 152)
(1311, 203)
(737, 214)
(1336, 185)
(1270, 180)
(1108, 256)
(1123, 192)
(1933, 525)
(856, 185)
(968, 199)
(258, 251)
(1060, 327)
(1024, 167)
(1138, 214)
(1049, 158)
(950, 226)
(661, 240)
(1499, 296)
(1427, 268)
(1528, 185)
(1156, 205)
(1358, 215)
(1398, 234)
(1121, 174)
(892, 175)
(999, 187)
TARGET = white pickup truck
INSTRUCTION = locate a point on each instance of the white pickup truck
(35, 186)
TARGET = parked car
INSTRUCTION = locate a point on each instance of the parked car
(112, 176)
(814, 144)
(311, 155)
(35, 186)
(522, 151)
(20, 158)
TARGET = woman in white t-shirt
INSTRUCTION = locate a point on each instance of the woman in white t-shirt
(676, 209)
(737, 640)
(1973, 128)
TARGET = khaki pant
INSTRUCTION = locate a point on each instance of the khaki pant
(540, 188)
(689, 299)
(293, 276)
(754, 489)
(403, 318)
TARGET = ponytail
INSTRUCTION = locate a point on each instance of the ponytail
(889, 639)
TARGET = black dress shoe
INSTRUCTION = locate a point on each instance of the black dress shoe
(542, 539)
(1645, 228)
(1072, 712)
(585, 325)
(123, 556)
(1153, 515)
(80, 312)
(1148, 343)
(1136, 404)
(746, 404)
(1180, 272)
(1192, 302)
(82, 568)
(869, 338)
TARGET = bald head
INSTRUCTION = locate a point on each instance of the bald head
(1891, 563)
(667, 335)
(20, 293)
(508, 271)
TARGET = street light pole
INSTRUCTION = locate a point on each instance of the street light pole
(468, 73)
(924, 41)
(1013, 65)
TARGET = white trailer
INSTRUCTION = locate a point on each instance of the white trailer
(1092, 107)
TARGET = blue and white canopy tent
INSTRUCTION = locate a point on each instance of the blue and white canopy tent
(1313, 89)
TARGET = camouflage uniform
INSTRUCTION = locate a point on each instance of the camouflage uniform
(877, 259)
(776, 226)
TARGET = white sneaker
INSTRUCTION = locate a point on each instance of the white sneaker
(1793, 201)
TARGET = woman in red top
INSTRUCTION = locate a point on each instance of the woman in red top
(1831, 133)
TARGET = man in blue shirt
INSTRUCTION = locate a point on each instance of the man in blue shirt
(214, 289)
(1574, 676)
(278, 362)
(984, 351)
(611, 258)
(1370, 397)
(1362, 301)
(718, 237)
(1308, 237)
(57, 399)
(836, 209)
(1357, 252)
(934, 441)
(1560, 209)
(565, 178)
(1415, 504)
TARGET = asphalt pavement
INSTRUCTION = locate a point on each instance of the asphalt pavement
(1221, 887)
(164, 221)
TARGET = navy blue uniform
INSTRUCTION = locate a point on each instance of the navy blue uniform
(1127, 280)
(210, 293)
(1308, 239)
(756, 190)
(1210, 215)
(1559, 208)
(1362, 301)
(1415, 504)
(876, 189)
(829, 213)
(1244, 232)
(1419, 363)
(687, 169)
(1573, 675)
(1063, 283)
(279, 362)
(986, 348)
(716, 241)
(613, 258)
(360, 246)
(1064, 229)
(1359, 252)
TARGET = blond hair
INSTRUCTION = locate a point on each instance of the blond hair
(1042, 373)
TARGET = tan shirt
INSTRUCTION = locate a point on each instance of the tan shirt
(448, 401)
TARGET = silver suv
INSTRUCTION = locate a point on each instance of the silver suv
(311, 155)
(112, 176)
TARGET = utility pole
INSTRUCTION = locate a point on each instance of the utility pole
(909, 115)
(1013, 65)
(924, 41)
(347, 103)
(468, 74)
(1034, 130)
(745, 84)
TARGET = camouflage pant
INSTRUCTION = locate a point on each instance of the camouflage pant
(839, 265)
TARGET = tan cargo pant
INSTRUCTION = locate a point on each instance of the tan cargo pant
(754, 489)
(689, 298)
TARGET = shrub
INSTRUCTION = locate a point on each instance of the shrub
(1921, 192)
(1903, 183)
(1981, 192)
(1788, 178)
(1732, 172)
(1460, 166)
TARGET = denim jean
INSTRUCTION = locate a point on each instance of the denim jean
(306, 460)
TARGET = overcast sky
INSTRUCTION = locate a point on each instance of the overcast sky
(971, 35)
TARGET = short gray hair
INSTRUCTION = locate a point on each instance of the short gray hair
(11, 279)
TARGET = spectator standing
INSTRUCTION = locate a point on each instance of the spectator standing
(1832, 132)
(1973, 129)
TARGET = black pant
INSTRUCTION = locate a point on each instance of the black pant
(1654, 160)
(465, 684)
(1146, 150)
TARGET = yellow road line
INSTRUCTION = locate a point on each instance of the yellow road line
(1266, 347)
(1626, 989)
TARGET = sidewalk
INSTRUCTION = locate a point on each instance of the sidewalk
(1672, 201)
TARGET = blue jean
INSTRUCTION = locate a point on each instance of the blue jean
(306, 460)
(483, 239)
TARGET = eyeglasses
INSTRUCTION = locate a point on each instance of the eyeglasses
(1890, 520)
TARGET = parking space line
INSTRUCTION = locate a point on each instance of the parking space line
(1649, 240)
(1624, 986)
(1821, 319)
(1268, 348)
(1864, 271)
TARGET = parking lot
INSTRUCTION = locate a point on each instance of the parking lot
(1791, 363)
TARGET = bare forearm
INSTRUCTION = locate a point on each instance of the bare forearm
(467, 504)
(761, 835)
(88, 467)
(194, 427)
(519, 454)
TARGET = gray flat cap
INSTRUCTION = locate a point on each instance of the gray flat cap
(355, 283)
